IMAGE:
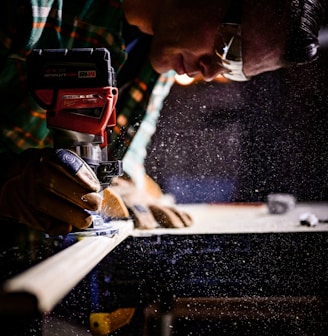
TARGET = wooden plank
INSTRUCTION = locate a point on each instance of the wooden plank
(45, 284)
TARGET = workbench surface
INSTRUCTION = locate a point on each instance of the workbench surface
(244, 218)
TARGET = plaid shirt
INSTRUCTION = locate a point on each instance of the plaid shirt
(66, 24)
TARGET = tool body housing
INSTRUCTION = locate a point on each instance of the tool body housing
(78, 89)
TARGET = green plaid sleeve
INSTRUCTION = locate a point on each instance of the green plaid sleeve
(46, 24)
(133, 161)
(65, 24)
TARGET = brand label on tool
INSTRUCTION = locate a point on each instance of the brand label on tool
(87, 74)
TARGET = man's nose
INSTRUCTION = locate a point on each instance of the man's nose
(211, 68)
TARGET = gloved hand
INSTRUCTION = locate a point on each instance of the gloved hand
(146, 208)
(48, 190)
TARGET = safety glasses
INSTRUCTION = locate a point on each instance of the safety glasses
(228, 51)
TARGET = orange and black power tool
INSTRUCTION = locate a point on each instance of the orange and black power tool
(77, 87)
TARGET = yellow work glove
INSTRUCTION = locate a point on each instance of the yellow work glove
(146, 207)
(48, 190)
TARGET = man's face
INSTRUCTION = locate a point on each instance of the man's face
(187, 34)
(184, 38)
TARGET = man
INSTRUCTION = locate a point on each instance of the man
(274, 33)
(238, 39)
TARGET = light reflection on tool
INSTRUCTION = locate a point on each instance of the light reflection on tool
(100, 227)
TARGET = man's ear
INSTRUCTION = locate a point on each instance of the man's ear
(142, 13)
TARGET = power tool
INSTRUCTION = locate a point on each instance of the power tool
(77, 87)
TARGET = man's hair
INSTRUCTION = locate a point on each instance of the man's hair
(307, 17)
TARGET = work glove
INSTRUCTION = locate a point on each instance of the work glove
(49, 190)
(148, 207)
